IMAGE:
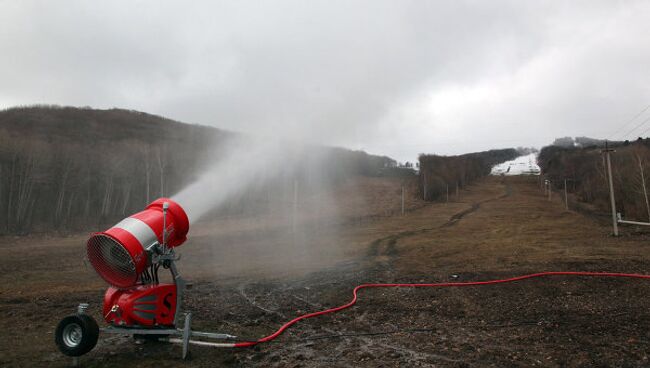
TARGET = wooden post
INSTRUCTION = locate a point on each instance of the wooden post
(456, 190)
(612, 200)
(402, 199)
(447, 193)
(424, 185)
(566, 197)
(295, 205)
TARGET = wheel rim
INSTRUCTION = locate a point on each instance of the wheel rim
(72, 335)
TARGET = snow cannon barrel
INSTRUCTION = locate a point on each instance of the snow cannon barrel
(121, 253)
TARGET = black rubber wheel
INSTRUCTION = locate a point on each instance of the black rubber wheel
(76, 335)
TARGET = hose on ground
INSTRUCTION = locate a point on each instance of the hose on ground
(355, 292)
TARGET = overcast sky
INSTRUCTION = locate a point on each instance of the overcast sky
(390, 77)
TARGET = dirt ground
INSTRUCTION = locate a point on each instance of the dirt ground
(497, 228)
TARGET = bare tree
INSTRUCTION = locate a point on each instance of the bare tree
(68, 211)
(2, 188)
(106, 199)
(88, 183)
(643, 184)
(24, 188)
(126, 196)
(146, 155)
(66, 168)
(10, 191)
(162, 165)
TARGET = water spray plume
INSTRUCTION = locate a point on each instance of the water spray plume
(244, 163)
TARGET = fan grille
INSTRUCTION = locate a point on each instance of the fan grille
(111, 261)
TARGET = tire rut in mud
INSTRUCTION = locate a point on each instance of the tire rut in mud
(387, 246)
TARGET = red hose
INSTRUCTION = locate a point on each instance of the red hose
(443, 284)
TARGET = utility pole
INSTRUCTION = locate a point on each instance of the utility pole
(424, 185)
(566, 197)
(295, 204)
(608, 161)
(447, 193)
(402, 199)
(545, 187)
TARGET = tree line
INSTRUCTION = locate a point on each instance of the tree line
(585, 170)
(440, 173)
(70, 169)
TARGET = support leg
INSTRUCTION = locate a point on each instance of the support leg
(186, 334)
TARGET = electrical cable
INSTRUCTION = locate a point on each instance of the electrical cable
(355, 292)
(635, 128)
(629, 122)
(644, 132)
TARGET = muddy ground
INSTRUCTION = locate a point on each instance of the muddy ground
(498, 228)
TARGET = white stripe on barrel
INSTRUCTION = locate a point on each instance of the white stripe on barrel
(140, 230)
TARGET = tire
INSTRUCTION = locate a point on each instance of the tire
(76, 335)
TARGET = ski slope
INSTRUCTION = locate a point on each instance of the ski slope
(522, 165)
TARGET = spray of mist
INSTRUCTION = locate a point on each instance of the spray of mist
(264, 206)
(243, 163)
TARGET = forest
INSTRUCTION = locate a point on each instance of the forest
(584, 169)
(441, 173)
(71, 169)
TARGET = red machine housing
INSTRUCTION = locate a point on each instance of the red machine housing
(177, 222)
(145, 305)
(121, 253)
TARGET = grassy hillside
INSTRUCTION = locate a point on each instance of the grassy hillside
(69, 168)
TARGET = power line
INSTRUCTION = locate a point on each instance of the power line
(642, 123)
(629, 122)
(645, 131)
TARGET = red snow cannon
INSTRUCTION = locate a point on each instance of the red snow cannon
(128, 256)
(122, 253)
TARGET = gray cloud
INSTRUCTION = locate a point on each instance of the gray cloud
(391, 77)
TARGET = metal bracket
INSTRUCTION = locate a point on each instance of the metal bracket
(620, 220)
(180, 290)
(140, 331)
(82, 308)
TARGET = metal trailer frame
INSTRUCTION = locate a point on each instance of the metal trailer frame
(620, 220)
(182, 335)
(167, 257)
